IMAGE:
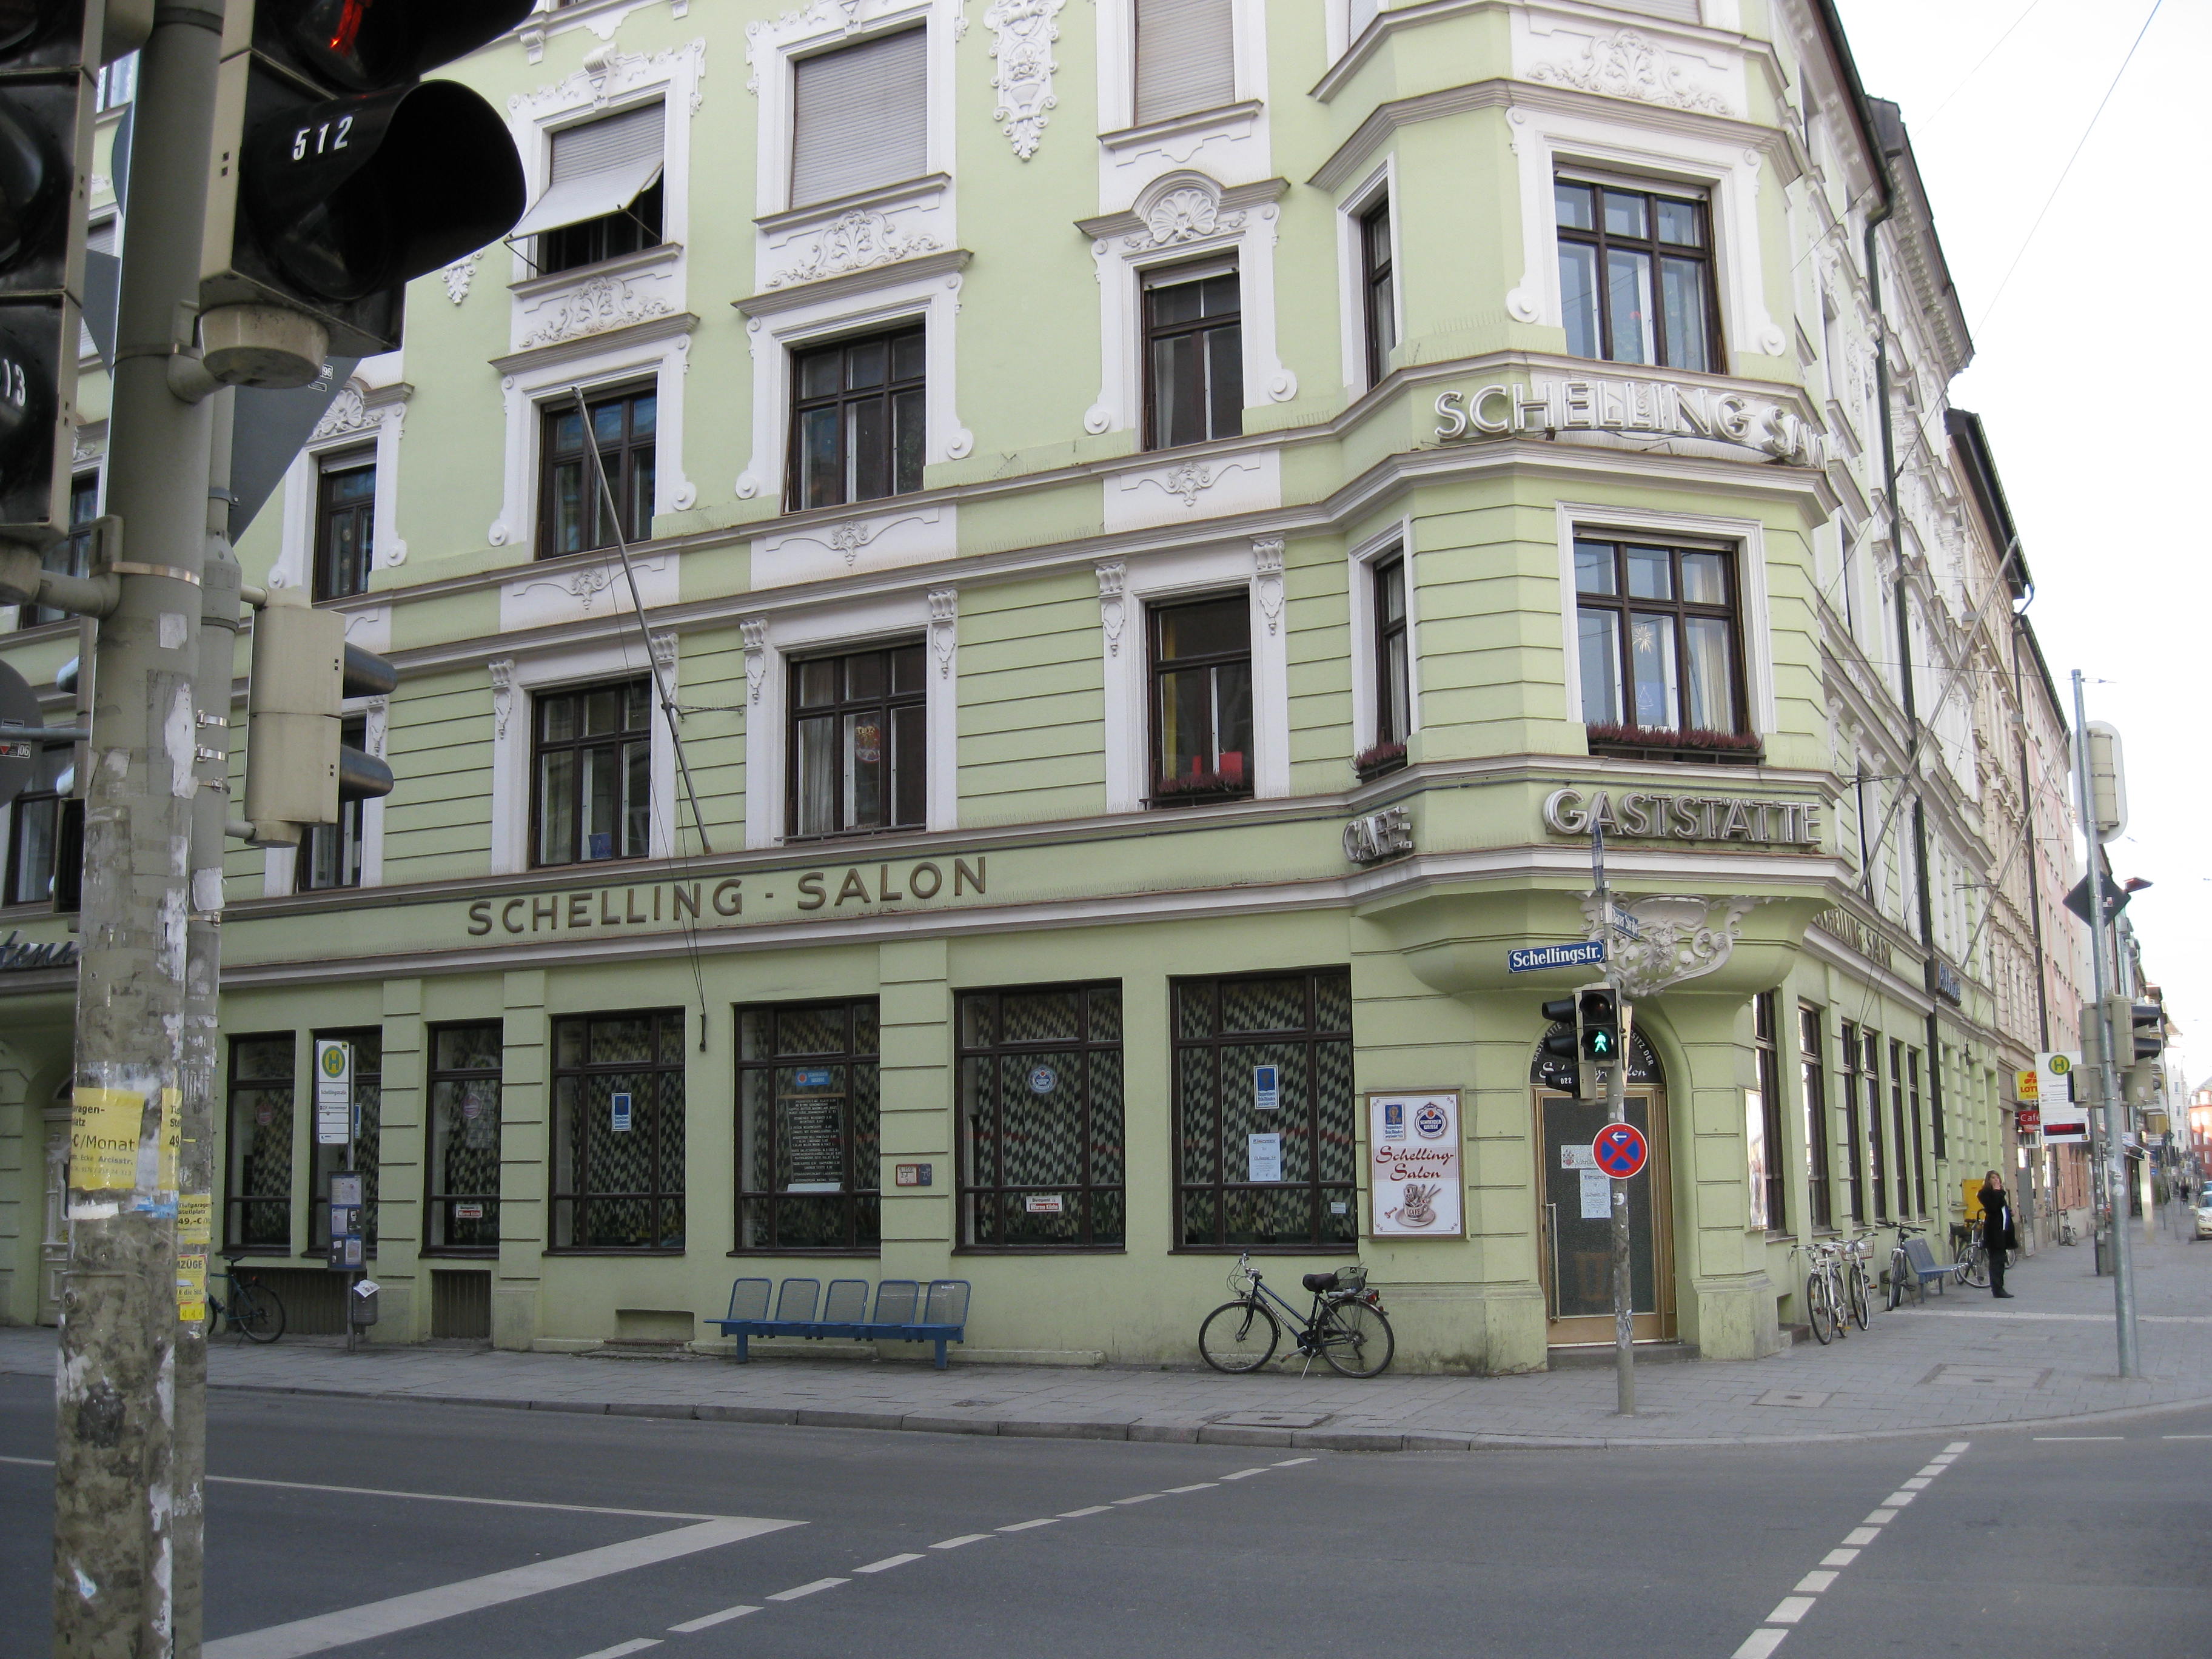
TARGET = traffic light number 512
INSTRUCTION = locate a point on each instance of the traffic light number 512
(323, 140)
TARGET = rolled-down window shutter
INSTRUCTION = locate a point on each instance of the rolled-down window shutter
(597, 168)
(1185, 57)
(859, 118)
(1361, 14)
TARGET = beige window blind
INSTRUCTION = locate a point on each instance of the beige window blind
(860, 117)
(597, 168)
(1185, 58)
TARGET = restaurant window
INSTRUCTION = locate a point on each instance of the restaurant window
(462, 1189)
(1185, 57)
(329, 854)
(1636, 279)
(1913, 1075)
(1194, 355)
(35, 827)
(1908, 1163)
(368, 1123)
(1266, 1146)
(69, 554)
(1878, 1159)
(345, 515)
(859, 744)
(257, 1184)
(809, 1109)
(578, 513)
(1394, 669)
(592, 773)
(1201, 669)
(1854, 1128)
(618, 1132)
(1042, 1162)
(860, 117)
(1657, 629)
(603, 195)
(1763, 1122)
(1813, 1071)
(1378, 295)
(859, 420)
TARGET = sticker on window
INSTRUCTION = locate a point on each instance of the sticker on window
(1266, 1088)
(1043, 1204)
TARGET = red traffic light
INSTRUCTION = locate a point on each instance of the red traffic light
(367, 44)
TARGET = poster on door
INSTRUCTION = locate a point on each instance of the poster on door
(1414, 1185)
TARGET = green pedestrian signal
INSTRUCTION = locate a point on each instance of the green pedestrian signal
(1597, 1023)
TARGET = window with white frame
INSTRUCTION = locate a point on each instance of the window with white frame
(1194, 354)
(345, 522)
(859, 418)
(603, 191)
(592, 795)
(860, 117)
(1378, 289)
(1201, 669)
(1636, 279)
(1185, 53)
(859, 741)
(330, 854)
(1394, 678)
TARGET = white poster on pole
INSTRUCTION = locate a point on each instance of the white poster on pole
(1414, 1182)
(2065, 1120)
(333, 1092)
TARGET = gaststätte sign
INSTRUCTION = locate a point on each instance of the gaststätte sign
(1414, 1169)
(1549, 405)
(1641, 817)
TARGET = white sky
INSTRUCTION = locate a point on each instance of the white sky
(2094, 387)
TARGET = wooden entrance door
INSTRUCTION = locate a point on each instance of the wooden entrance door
(1576, 1236)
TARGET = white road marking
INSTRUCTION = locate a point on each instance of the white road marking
(1897, 1500)
(1077, 1514)
(2047, 1438)
(1141, 1497)
(2163, 1436)
(453, 1498)
(1198, 1486)
(1936, 1469)
(1023, 1526)
(399, 1612)
(636, 1644)
(713, 1619)
(1760, 1644)
(1917, 1484)
(1814, 1582)
(1292, 1463)
(1957, 1446)
(1839, 1557)
(1862, 1534)
(887, 1564)
(1882, 1517)
(48, 1462)
(1790, 1609)
(964, 1538)
(1244, 1474)
(796, 1591)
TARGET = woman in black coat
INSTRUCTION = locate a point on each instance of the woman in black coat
(1997, 1234)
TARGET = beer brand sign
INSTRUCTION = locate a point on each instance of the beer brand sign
(1547, 406)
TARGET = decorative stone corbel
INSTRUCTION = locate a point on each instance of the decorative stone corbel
(754, 631)
(663, 651)
(1111, 577)
(502, 691)
(1675, 939)
(1267, 565)
(943, 627)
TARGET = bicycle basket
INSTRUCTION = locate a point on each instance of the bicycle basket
(1353, 1277)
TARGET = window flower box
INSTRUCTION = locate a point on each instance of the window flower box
(1694, 743)
(1375, 761)
(1197, 788)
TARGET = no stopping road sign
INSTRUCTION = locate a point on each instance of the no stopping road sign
(1620, 1150)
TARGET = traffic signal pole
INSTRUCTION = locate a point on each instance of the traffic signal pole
(121, 1474)
(1616, 1111)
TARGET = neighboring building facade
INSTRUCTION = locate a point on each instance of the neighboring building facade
(1164, 526)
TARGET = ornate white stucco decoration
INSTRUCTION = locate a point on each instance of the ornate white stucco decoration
(1267, 565)
(944, 628)
(459, 274)
(859, 240)
(598, 305)
(347, 413)
(585, 586)
(81, 453)
(1188, 213)
(754, 631)
(1677, 938)
(663, 650)
(1112, 579)
(501, 670)
(608, 72)
(376, 720)
(1022, 34)
(1189, 480)
(1627, 64)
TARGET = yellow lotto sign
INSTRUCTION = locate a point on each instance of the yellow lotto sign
(2024, 1086)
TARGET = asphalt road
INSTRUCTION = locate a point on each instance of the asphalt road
(332, 1523)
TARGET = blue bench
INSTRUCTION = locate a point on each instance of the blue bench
(906, 1311)
(1925, 1270)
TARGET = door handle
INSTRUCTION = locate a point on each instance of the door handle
(1551, 1227)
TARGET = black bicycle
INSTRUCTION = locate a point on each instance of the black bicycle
(1345, 1326)
(253, 1311)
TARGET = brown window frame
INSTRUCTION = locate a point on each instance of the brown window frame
(617, 740)
(1813, 1073)
(1089, 1194)
(1854, 1128)
(631, 464)
(1158, 434)
(631, 228)
(438, 1219)
(323, 1162)
(1623, 608)
(348, 832)
(1907, 1174)
(1912, 1074)
(899, 400)
(860, 1207)
(1604, 241)
(236, 1205)
(569, 1204)
(1393, 679)
(1184, 1051)
(1766, 1041)
(331, 513)
(1378, 289)
(71, 555)
(888, 703)
(53, 760)
(1158, 668)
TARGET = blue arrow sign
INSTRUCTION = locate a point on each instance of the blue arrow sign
(1534, 957)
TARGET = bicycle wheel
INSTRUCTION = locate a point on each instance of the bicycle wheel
(1861, 1294)
(1900, 1268)
(1238, 1336)
(256, 1310)
(1974, 1267)
(1357, 1340)
(1819, 1311)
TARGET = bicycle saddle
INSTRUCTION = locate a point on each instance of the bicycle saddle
(1320, 1281)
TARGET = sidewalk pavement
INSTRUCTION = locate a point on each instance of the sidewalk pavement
(1963, 1360)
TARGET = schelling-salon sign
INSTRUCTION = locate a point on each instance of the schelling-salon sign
(1666, 408)
(727, 901)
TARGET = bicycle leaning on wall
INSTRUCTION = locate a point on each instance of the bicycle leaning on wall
(1345, 1326)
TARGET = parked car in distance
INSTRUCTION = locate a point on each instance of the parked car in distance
(2204, 1215)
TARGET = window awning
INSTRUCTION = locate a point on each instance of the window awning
(597, 168)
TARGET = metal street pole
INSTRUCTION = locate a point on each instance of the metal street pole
(1616, 1111)
(2113, 1162)
(116, 1477)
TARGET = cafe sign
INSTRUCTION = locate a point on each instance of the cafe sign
(1548, 406)
(1636, 816)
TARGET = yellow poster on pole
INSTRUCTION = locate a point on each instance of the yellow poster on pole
(104, 1139)
(191, 1288)
(172, 1129)
(194, 1217)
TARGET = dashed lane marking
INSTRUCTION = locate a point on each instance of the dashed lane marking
(713, 1619)
(1141, 1497)
(1814, 1582)
(964, 1538)
(1023, 1526)
(2185, 1437)
(1862, 1534)
(887, 1564)
(1790, 1609)
(798, 1590)
(1292, 1463)
(1244, 1474)
(1760, 1644)
(1077, 1514)
(636, 1644)
(1841, 1557)
(2045, 1439)
(1196, 1486)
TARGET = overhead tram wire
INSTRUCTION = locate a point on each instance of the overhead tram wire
(1995, 46)
(670, 714)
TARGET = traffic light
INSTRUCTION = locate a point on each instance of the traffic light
(1599, 1035)
(49, 50)
(1560, 1045)
(339, 174)
(297, 771)
(2147, 1022)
